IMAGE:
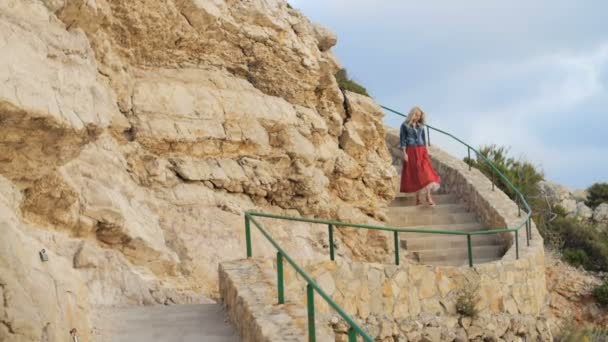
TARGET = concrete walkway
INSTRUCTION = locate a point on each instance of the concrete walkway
(160, 323)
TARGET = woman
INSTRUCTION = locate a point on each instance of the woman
(417, 174)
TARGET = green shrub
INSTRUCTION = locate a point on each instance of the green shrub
(346, 83)
(580, 243)
(576, 236)
(598, 193)
(601, 294)
(466, 302)
(576, 257)
(522, 174)
(573, 334)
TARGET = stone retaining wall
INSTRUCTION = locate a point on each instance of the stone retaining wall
(249, 293)
(387, 299)
(405, 291)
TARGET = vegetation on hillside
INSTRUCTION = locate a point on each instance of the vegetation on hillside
(346, 83)
(573, 334)
(598, 194)
(579, 243)
(601, 294)
(522, 174)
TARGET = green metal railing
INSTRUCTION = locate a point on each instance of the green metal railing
(519, 198)
(311, 286)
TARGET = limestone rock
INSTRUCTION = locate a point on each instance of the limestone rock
(600, 214)
(560, 195)
(86, 257)
(40, 300)
(116, 207)
(580, 195)
(325, 38)
(568, 288)
(569, 205)
(51, 95)
(583, 211)
(555, 192)
(134, 134)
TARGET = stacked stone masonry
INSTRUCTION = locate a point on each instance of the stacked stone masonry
(390, 301)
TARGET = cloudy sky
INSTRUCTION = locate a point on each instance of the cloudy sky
(531, 75)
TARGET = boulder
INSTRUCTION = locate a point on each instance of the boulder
(583, 211)
(556, 193)
(600, 214)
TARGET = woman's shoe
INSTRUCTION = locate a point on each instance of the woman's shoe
(430, 202)
(418, 202)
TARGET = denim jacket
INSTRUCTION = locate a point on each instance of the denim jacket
(410, 136)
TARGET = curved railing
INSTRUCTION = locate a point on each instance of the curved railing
(520, 200)
(312, 287)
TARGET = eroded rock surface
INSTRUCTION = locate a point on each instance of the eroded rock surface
(134, 134)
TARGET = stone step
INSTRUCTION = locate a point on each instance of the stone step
(461, 262)
(447, 241)
(447, 254)
(459, 227)
(409, 200)
(425, 209)
(195, 322)
(399, 219)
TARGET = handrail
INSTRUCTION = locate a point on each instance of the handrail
(375, 227)
(312, 286)
(495, 170)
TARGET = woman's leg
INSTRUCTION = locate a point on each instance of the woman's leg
(429, 199)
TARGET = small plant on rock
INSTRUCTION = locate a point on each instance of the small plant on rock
(345, 83)
(601, 294)
(466, 302)
(574, 334)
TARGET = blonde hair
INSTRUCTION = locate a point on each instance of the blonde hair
(413, 111)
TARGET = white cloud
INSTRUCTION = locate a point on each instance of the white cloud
(554, 88)
(488, 71)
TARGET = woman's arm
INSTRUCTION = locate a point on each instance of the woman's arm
(403, 141)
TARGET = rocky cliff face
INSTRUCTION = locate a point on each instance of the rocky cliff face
(133, 135)
(573, 203)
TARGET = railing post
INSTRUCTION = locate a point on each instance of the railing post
(528, 231)
(310, 299)
(428, 135)
(519, 208)
(469, 153)
(280, 287)
(492, 179)
(352, 335)
(516, 244)
(331, 242)
(530, 227)
(396, 238)
(248, 234)
(470, 249)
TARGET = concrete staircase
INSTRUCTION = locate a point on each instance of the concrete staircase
(161, 323)
(449, 214)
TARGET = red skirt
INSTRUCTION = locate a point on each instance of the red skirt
(417, 173)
